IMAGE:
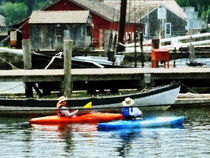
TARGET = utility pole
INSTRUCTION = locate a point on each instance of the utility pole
(123, 7)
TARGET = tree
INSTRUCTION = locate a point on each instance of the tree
(200, 6)
(16, 10)
(13, 12)
(29, 4)
(206, 16)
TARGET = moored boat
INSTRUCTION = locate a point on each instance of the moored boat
(86, 118)
(41, 61)
(147, 123)
(164, 95)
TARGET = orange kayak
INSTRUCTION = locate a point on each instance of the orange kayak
(86, 118)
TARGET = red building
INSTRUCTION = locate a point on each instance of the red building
(104, 17)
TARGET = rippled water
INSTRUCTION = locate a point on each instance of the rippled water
(20, 139)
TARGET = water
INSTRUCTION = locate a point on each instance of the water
(18, 139)
(11, 87)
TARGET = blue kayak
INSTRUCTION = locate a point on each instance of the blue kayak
(147, 123)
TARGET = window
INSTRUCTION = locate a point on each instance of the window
(145, 29)
(89, 30)
(167, 29)
(59, 33)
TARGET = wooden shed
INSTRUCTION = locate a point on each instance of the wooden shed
(48, 29)
(163, 22)
(163, 17)
(104, 17)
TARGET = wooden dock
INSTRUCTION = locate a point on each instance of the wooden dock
(91, 79)
(105, 74)
(108, 78)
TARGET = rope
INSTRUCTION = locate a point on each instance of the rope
(17, 30)
(11, 88)
(189, 88)
(13, 67)
(53, 58)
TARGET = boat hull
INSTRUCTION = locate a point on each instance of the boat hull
(162, 96)
(41, 61)
(148, 123)
(86, 118)
(157, 97)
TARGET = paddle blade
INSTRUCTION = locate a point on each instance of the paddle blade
(88, 105)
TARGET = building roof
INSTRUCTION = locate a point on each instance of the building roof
(98, 8)
(137, 9)
(59, 17)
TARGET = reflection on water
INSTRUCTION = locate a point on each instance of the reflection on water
(144, 142)
(20, 139)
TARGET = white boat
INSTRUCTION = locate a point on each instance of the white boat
(159, 96)
(164, 95)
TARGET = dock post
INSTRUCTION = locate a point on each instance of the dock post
(191, 51)
(68, 46)
(106, 43)
(147, 80)
(27, 65)
(101, 39)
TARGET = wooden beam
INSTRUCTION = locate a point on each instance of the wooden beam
(96, 74)
(27, 65)
(68, 46)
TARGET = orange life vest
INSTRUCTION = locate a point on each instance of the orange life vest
(59, 111)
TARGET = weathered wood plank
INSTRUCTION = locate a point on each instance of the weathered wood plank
(68, 46)
(103, 74)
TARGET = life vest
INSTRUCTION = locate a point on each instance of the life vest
(125, 112)
(59, 111)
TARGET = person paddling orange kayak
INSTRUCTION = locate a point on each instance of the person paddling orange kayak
(63, 109)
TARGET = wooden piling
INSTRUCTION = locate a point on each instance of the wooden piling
(155, 43)
(68, 46)
(27, 65)
(191, 51)
(147, 80)
(106, 44)
(101, 39)
(141, 46)
(27, 54)
(135, 53)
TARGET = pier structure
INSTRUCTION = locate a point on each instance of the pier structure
(70, 79)
(131, 77)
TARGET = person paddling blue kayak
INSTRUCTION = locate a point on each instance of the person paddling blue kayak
(129, 112)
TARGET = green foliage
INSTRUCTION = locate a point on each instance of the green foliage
(16, 10)
(13, 12)
(206, 15)
(38, 5)
(200, 5)
(183, 3)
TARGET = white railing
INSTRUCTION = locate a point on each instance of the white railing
(174, 42)
(185, 41)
